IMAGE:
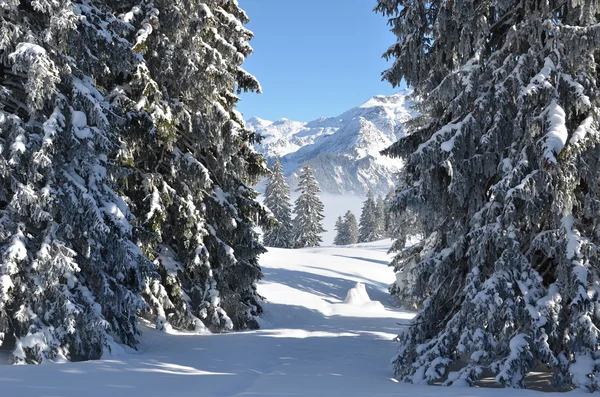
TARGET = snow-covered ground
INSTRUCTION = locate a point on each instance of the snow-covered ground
(322, 335)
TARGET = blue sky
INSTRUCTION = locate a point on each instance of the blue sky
(314, 58)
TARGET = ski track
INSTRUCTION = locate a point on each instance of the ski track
(311, 343)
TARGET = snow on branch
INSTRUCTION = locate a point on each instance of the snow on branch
(556, 137)
(448, 128)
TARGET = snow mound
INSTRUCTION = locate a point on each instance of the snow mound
(357, 295)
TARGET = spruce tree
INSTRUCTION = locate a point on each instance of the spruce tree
(277, 199)
(351, 228)
(71, 276)
(369, 219)
(502, 171)
(341, 235)
(389, 216)
(118, 132)
(347, 230)
(192, 163)
(308, 223)
(381, 212)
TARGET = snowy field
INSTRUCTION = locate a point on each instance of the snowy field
(322, 335)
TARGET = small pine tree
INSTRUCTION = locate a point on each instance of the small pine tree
(277, 199)
(308, 223)
(388, 216)
(382, 214)
(347, 229)
(342, 232)
(368, 226)
(351, 228)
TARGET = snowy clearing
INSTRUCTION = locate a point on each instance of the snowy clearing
(327, 330)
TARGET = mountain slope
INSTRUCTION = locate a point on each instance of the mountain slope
(344, 150)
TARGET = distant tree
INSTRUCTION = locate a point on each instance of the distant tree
(351, 228)
(277, 199)
(347, 230)
(341, 235)
(308, 223)
(389, 215)
(382, 213)
(368, 226)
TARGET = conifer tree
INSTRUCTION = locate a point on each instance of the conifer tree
(277, 199)
(347, 230)
(118, 132)
(308, 223)
(389, 215)
(341, 235)
(71, 276)
(368, 229)
(192, 163)
(382, 214)
(502, 171)
(351, 228)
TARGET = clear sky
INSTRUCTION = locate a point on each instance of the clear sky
(314, 58)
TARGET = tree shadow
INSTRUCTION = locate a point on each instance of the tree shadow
(360, 258)
(327, 287)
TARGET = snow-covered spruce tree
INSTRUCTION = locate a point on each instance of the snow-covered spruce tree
(308, 223)
(502, 169)
(388, 216)
(351, 228)
(192, 163)
(341, 235)
(368, 229)
(277, 199)
(347, 229)
(382, 214)
(403, 223)
(70, 276)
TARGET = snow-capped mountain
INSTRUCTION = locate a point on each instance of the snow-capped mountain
(343, 151)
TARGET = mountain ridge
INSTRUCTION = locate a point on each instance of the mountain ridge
(343, 151)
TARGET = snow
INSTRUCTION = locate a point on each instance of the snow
(20, 143)
(357, 295)
(129, 16)
(5, 284)
(327, 330)
(448, 145)
(155, 204)
(557, 134)
(540, 80)
(17, 250)
(581, 132)
(573, 237)
(582, 368)
(344, 151)
(27, 50)
(79, 119)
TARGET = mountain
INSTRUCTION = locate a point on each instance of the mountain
(343, 151)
